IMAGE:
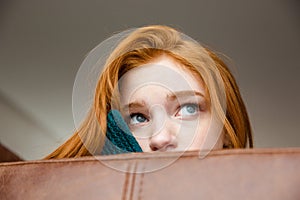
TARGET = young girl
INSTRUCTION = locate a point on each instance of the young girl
(173, 94)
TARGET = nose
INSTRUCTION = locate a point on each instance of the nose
(165, 138)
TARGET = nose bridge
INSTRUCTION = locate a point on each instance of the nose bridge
(164, 130)
(160, 117)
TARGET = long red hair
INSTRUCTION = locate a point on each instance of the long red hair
(140, 47)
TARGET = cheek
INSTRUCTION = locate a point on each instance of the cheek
(209, 136)
(142, 136)
(193, 136)
(144, 144)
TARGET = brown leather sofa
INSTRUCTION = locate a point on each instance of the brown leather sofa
(227, 174)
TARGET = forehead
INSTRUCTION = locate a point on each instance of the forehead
(162, 73)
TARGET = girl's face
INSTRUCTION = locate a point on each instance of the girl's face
(166, 108)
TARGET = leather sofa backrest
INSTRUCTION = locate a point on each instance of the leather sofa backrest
(226, 174)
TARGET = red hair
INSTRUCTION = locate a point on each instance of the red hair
(143, 46)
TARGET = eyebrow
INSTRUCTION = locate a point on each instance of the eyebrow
(172, 97)
(185, 93)
(134, 105)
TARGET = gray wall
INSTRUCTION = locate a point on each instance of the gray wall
(42, 44)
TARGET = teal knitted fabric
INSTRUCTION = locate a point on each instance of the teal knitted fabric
(119, 139)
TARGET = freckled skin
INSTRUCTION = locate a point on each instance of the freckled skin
(161, 122)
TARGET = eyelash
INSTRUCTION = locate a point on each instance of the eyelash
(132, 115)
(197, 105)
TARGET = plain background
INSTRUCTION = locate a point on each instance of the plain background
(43, 43)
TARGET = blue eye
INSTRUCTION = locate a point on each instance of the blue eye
(188, 110)
(137, 118)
